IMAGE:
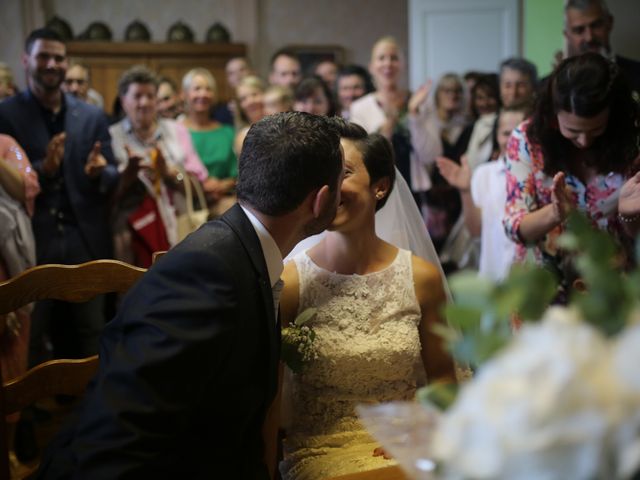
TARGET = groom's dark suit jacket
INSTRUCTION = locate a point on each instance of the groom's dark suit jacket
(188, 368)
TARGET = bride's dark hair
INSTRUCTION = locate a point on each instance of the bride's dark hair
(377, 154)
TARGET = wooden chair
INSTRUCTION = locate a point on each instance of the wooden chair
(71, 283)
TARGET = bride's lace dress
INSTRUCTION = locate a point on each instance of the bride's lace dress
(368, 351)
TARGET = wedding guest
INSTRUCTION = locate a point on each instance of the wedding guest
(236, 69)
(484, 195)
(574, 153)
(353, 82)
(285, 69)
(168, 101)
(436, 128)
(327, 70)
(444, 114)
(250, 98)
(312, 95)
(278, 99)
(18, 190)
(380, 111)
(68, 143)
(78, 83)
(518, 79)
(212, 140)
(517, 85)
(485, 101)
(8, 86)
(385, 110)
(189, 365)
(518, 82)
(153, 155)
(587, 28)
(470, 79)
(376, 306)
(485, 95)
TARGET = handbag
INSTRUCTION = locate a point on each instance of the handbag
(192, 219)
(149, 234)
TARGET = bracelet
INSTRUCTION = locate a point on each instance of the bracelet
(625, 219)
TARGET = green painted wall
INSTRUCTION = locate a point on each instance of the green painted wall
(542, 25)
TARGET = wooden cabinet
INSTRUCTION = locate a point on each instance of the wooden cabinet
(108, 60)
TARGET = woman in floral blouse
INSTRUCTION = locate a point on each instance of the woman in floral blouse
(574, 153)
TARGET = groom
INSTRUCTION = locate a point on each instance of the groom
(188, 367)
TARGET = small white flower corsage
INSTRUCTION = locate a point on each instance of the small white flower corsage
(297, 342)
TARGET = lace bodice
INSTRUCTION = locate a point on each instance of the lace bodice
(368, 346)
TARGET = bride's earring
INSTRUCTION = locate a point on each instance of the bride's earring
(379, 195)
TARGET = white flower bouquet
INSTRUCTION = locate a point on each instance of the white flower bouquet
(559, 399)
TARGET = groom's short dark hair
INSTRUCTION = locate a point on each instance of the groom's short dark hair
(284, 158)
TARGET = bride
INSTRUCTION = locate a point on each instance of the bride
(376, 306)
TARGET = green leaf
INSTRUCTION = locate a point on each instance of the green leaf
(448, 334)
(610, 294)
(441, 395)
(305, 316)
(470, 290)
(462, 317)
(528, 290)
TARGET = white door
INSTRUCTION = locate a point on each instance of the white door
(460, 35)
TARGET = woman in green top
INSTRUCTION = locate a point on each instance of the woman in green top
(212, 140)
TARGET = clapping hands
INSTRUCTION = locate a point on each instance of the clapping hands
(54, 155)
(629, 200)
(419, 97)
(458, 176)
(95, 162)
(561, 198)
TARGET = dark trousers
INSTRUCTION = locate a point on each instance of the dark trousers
(62, 329)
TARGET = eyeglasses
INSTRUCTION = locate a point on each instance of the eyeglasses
(71, 81)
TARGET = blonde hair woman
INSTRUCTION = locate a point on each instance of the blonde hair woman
(250, 99)
(381, 111)
(212, 140)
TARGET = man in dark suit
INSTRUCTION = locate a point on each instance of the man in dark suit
(68, 144)
(188, 367)
(587, 27)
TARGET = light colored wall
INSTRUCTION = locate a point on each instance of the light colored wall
(355, 24)
(12, 38)
(266, 25)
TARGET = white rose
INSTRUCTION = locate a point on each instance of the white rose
(537, 410)
(626, 437)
